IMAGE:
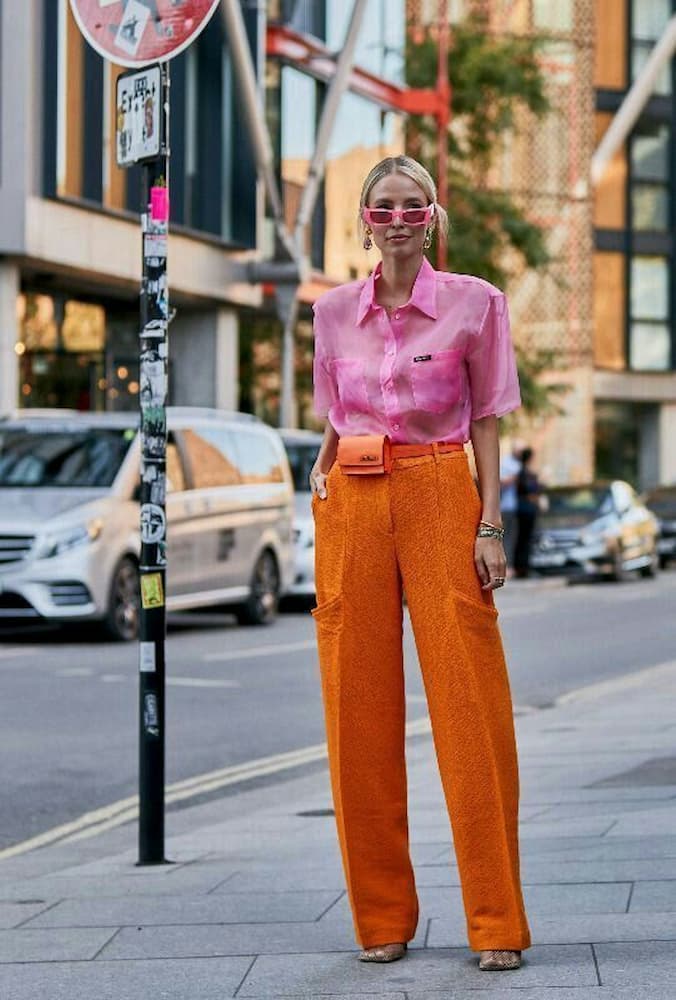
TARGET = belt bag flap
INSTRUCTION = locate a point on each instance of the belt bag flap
(362, 453)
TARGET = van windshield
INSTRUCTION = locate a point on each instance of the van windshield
(62, 457)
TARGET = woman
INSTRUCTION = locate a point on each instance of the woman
(410, 364)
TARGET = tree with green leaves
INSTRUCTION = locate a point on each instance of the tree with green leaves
(492, 79)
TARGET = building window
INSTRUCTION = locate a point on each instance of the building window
(650, 197)
(649, 18)
(213, 178)
(649, 330)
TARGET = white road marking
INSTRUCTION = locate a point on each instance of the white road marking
(200, 682)
(186, 682)
(117, 813)
(11, 652)
(253, 651)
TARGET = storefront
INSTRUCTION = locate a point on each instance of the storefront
(76, 353)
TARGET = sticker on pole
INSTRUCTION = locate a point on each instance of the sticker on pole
(138, 32)
(139, 116)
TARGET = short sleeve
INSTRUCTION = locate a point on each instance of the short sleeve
(325, 393)
(491, 364)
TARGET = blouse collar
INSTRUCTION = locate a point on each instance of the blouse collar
(423, 295)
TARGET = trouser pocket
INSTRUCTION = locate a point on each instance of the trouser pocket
(329, 614)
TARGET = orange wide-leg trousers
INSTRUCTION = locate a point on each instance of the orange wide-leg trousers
(414, 529)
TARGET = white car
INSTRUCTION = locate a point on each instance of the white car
(69, 517)
(301, 448)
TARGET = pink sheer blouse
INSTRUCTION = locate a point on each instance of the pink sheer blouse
(422, 374)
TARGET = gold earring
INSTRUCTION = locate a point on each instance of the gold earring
(367, 240)
(428, 240)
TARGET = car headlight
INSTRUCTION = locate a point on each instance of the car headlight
(58, 542)
(589, 538)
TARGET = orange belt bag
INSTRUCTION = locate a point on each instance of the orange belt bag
(363, 454)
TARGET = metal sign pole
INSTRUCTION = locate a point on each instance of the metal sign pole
(139, 36)
(153, 399)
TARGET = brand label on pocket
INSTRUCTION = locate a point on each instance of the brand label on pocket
(423, 357)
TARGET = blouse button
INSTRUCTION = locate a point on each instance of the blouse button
(395, 427)
(396, 315)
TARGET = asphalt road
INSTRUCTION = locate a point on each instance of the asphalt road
(68, 711)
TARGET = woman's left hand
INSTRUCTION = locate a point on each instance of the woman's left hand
(490, 562)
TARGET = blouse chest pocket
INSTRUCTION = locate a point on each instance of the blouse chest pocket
(351, 384)
(436, 380)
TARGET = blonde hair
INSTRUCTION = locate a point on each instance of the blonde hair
(405, 165)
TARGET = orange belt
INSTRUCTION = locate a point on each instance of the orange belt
(411, 450)
(364, 454)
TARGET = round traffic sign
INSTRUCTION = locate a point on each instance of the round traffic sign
(139, 32)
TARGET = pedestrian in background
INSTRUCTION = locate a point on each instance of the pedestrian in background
(409, 365)
(510, 466)
(528, 490)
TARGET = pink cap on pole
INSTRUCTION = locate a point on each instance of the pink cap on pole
(159, 204)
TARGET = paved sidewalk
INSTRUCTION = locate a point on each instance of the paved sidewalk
(254, 905)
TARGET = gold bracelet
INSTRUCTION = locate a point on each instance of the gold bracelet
(491, 525)
(486, 530)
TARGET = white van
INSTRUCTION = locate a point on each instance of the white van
(302, 447)
(69, 516)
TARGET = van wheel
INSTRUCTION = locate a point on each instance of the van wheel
(122, 621)
(261, 606)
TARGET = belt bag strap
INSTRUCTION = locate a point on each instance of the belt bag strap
(363, 454)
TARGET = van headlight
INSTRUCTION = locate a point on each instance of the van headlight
(58, 542)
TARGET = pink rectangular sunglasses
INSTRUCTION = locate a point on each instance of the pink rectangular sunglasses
(386, 216)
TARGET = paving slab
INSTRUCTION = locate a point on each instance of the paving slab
(63, 944)
(13, 913)
(236, 908)
(658, 896)
(313, 974)
(556, 796)
(237, 939)
(652, 821)
(590, 849)
(641, 964)
(583, 897)
(581, 827)
(607, 809)
(262, 878)
(206, 979)
(578, 993)
(536, 870)
(192, 879)
(571, 928)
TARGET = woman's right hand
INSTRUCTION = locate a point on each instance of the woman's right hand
(318, 482)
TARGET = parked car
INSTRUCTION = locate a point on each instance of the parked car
(662, 502)
(301, 448)
(69, 516)
(600, 529)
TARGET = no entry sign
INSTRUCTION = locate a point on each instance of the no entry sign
(138, 32)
